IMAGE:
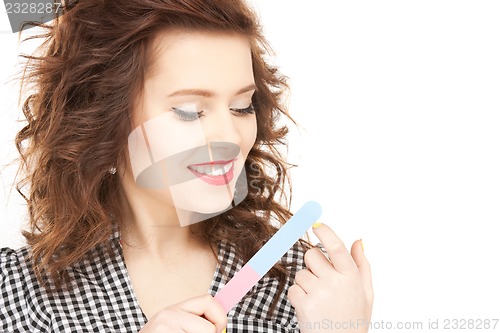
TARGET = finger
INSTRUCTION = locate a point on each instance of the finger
(207, 307)
(196, 324)
(339, 256)
(306, 280)
(296, 294)
(317, 262)
(358, 254)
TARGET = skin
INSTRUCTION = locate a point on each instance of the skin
(166, 264)
(168, 268)
(338, 290)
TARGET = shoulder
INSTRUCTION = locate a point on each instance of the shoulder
(7, 254)
(99, 294)
(14, 264)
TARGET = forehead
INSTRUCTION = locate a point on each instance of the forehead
(215, 61)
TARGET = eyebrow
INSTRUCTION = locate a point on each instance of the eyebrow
(209, 93)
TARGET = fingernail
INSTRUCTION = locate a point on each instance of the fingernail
(362, 245)
(317, 224)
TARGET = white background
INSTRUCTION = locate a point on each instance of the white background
(399, 107)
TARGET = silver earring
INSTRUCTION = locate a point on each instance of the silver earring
(112, 170)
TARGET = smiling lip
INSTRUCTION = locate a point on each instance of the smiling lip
(214, 173)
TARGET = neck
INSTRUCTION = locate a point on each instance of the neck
(151, 226)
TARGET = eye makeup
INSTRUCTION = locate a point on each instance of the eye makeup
(193, 115)
(187, 115)
(244, 111)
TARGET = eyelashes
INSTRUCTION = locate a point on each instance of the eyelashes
(243, 112)
(193, 115)
(187, 115)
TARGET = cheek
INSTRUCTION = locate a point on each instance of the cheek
(248, 134)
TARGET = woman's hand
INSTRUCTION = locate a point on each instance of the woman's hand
(200, 314)
(333, 295)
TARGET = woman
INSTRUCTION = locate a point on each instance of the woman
(147, 115)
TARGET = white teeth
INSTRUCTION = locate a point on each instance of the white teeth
(198, 169)
(217, 171)
(213, 170)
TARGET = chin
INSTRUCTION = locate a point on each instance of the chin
(207, 202)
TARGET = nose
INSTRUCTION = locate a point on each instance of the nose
(222, 126)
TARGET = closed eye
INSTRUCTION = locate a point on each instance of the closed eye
(245, 111)
(187, 115)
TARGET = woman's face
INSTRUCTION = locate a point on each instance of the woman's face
(195, 123)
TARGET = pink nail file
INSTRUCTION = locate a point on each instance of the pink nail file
(268, 255)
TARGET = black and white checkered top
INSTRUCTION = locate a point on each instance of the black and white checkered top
(104, 301)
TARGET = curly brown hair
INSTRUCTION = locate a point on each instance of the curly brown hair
(92, 66)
